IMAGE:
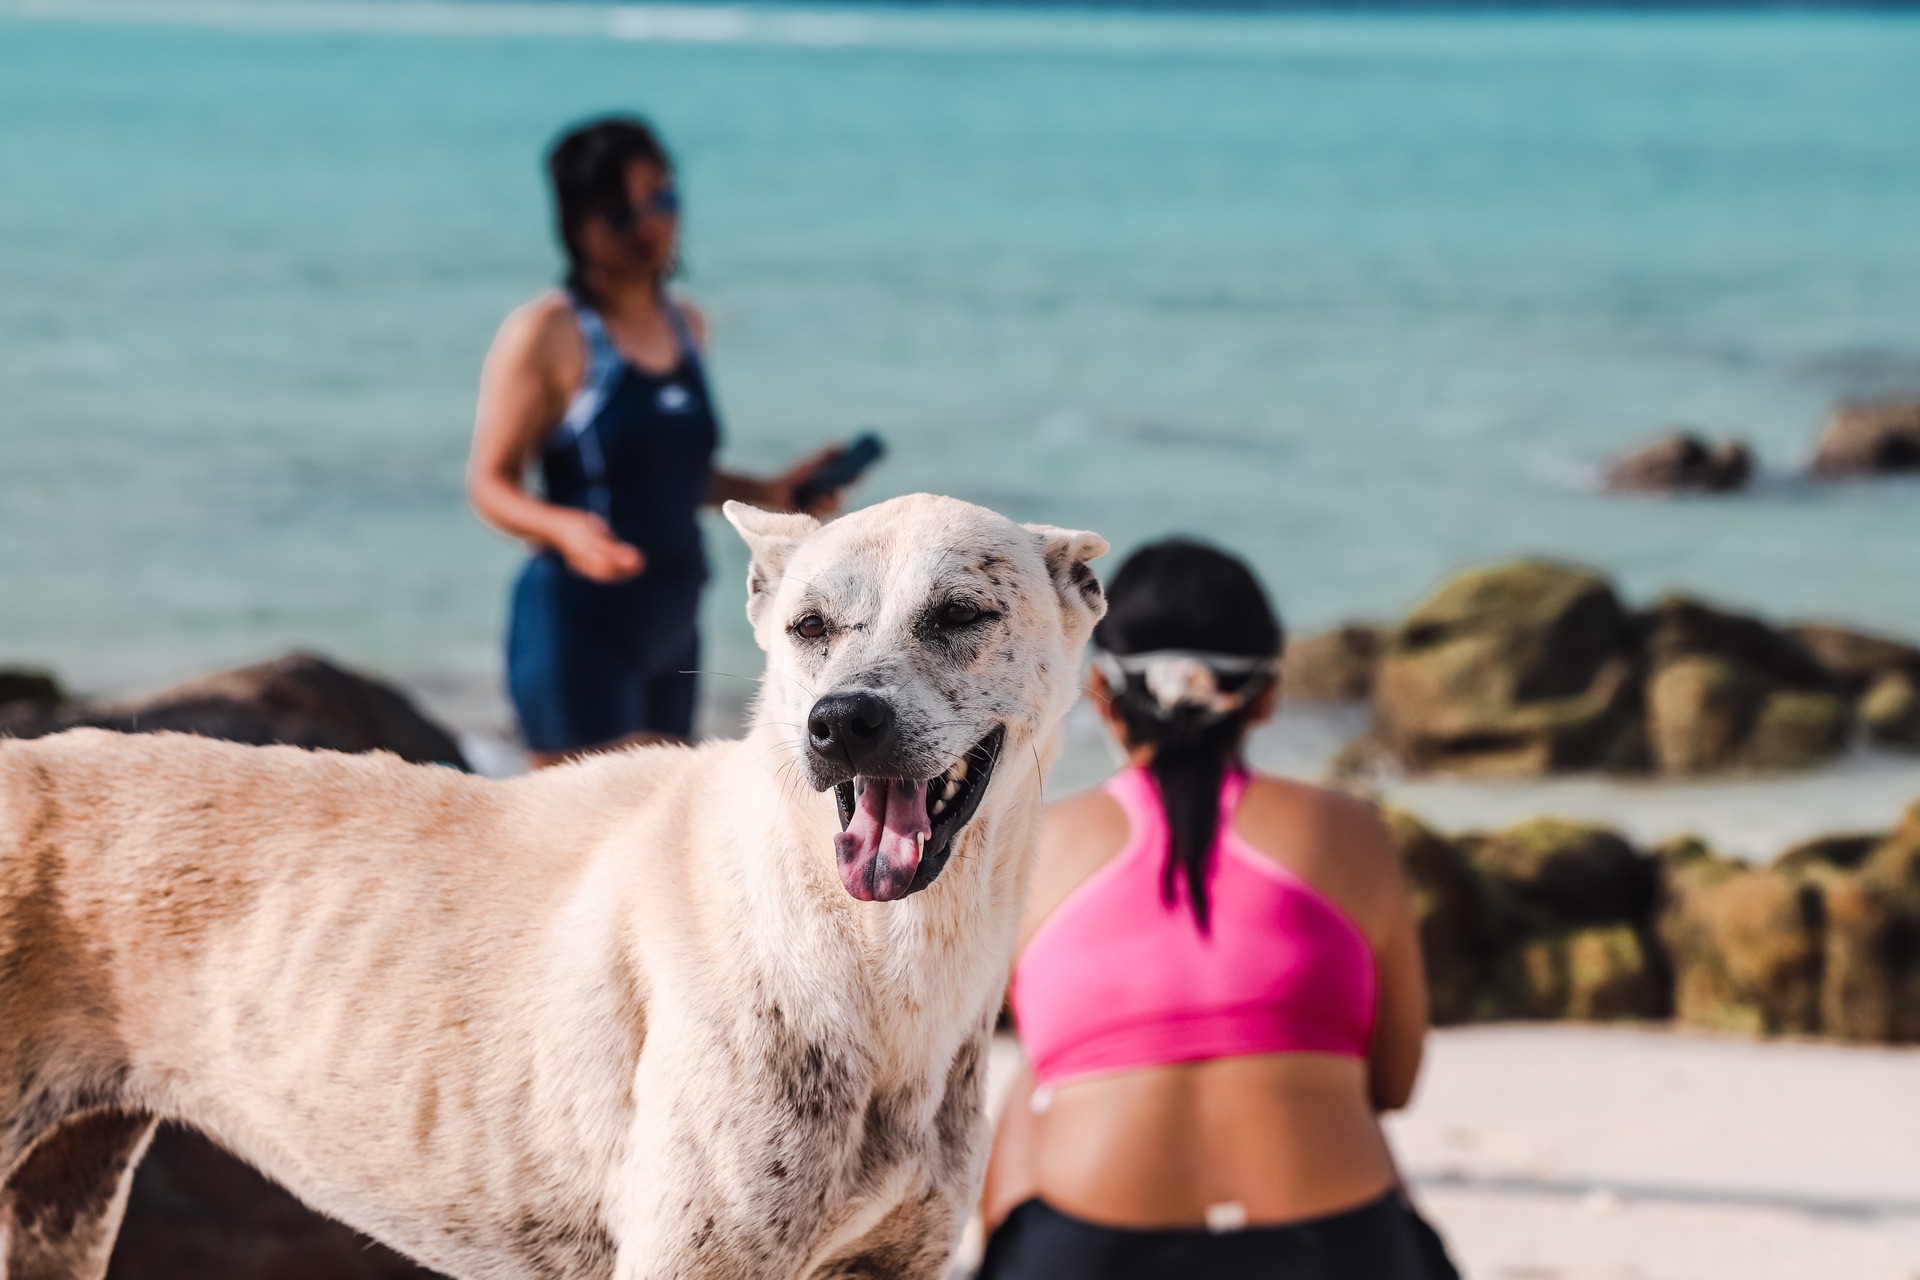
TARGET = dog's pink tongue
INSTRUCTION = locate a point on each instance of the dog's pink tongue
(880, 849)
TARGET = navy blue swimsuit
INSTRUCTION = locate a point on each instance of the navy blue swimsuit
(587, 662)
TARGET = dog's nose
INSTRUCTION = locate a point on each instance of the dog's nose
(853, 727)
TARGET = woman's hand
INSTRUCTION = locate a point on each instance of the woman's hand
(590, 549)
(783, 488)
(777, 494)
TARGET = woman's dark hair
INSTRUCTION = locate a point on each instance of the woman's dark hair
(588, 166)
(1185, 596)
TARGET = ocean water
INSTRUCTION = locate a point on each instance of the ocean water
(1366, 297)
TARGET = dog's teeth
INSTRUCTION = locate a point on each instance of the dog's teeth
(959, 769)
(951, 790)
(939, 806)
(920, 843)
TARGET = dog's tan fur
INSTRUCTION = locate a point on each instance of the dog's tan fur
(616, 1019)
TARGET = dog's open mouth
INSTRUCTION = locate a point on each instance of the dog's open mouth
(897, 833)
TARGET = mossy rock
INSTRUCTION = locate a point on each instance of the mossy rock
(1699, 708)
(1897, 860)
(1870, 981)
(1460, 929)
(1889, 711)
(1600, 974)
(1745, 945)
(1518, 669)
(1681, 626)
(1708, 713)
(1797, 729)
(1830, 853)
(1332, 666)
(1854, 660)
(1562, 874)
(1681, 851)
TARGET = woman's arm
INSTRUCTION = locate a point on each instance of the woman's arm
(1400, 1010)
(1016, 1140)
(774, 493)
(521, 400)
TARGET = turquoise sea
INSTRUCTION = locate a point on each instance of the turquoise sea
(1365, 296)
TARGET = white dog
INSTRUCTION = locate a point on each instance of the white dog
(670, 1012)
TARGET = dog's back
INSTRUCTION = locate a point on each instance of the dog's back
(247, 938)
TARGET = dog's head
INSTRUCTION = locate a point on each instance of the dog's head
(912, 647)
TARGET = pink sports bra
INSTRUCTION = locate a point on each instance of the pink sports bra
(1116, 980)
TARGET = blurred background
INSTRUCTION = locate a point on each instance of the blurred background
(1369, 296)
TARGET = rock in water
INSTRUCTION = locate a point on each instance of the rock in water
(1890, 711)
(1745, 945)
(1881, 674)
(1683, 462)
(1517, 669)
(1599, 974)
(300, 700)
(1725, 691)
(1566, 875)
(1870, 979)
(1333, 666)
(1870, 440)
(1848, 852)
(1854, 660)
(1462, 926)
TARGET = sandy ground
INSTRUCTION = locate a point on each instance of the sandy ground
(1596, 1153)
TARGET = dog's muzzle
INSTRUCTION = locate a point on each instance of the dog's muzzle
(898, 833)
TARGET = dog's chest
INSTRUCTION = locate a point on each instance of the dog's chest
(829, 1145)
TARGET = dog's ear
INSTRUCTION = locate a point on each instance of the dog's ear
(771, 536)
(1066, 552)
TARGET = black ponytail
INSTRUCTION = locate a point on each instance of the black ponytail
(1181, 596)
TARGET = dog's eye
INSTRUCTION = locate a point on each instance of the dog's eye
(810, 627)
(958, 613)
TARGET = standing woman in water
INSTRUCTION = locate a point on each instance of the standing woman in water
(1218, 986)
(602, 381)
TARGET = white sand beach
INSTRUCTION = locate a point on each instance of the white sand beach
(1578, 1152)
(1559, 1152)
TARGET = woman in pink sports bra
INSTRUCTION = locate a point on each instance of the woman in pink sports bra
(1218, 985)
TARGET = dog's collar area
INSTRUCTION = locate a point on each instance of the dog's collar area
(952, 798)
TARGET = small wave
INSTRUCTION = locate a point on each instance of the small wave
(1575, 475)
(955, 29)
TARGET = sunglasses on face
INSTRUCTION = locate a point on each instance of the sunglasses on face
(663, 203)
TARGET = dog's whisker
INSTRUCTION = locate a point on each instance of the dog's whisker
(731, 675)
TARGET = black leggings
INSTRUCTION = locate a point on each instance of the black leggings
(1383, 1240)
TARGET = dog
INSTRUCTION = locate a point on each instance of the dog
(717, 1011)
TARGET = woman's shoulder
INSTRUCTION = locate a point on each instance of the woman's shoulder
(1335, 841)
(547, 313)
(1323, 809)
(540, 330)
(1079, 834)
(696, 319)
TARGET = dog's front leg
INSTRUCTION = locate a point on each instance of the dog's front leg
(699, 1243)
(913, 1242)
(680, 1214)
(61, 1208)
